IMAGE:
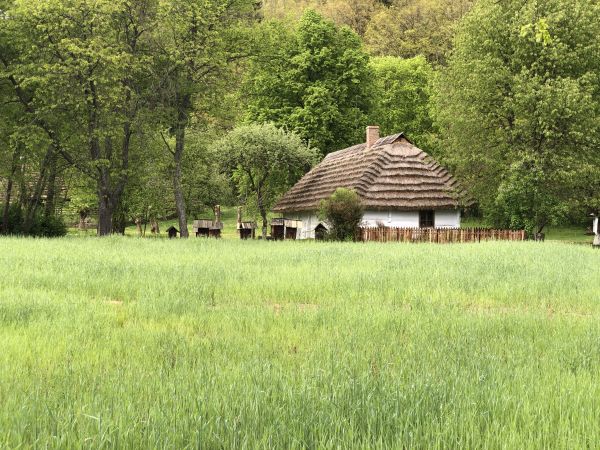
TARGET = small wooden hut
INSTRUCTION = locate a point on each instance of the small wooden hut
(172, 231)
(320, 232)
(282, 228)
(247, 230)
(208, 227)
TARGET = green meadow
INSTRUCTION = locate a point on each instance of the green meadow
(151, 343)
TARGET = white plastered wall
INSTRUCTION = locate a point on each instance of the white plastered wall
(404, 219)
(447, 218)
(309, 223)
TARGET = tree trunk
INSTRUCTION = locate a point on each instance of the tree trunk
(109, 196)
(178, 189)
(184, 105)
(9, 186)
(82, 220)
(265, 224)
(6, 209)
(49, 207)
(261, 209)
(34, 203)
(119, 222)
(263, 214)
(105, 214)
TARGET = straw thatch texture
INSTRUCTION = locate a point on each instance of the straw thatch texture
(392, 174)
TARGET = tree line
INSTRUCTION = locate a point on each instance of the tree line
(145, 109)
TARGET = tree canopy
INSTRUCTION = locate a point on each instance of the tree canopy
(518, 107)
(401, 96)
(315, 83)
(263, 162)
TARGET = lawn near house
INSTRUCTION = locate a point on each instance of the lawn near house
(151, 343)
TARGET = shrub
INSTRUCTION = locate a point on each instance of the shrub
(40, 226)
(343, 212)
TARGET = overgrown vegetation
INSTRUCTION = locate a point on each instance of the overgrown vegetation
(153, 343)
(342, 211)
(38, 226)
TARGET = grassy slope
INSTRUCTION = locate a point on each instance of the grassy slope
(154, 343)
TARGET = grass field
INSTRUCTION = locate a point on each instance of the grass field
(128, 343)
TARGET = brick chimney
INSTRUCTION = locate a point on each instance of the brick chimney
(372, 135)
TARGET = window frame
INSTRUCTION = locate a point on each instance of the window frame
(426, 217)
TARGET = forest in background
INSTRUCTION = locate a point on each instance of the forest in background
(141, 110)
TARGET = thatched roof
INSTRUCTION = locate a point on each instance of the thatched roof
(392, 174)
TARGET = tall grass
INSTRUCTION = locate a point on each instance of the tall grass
(127, 343)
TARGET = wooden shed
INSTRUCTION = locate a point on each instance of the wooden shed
(247, 230)
(172, 232)
(207, 228)
(282, 228)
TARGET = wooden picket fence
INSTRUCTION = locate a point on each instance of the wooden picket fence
(438, 235)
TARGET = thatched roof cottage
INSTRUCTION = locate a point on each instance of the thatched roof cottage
(398, 183)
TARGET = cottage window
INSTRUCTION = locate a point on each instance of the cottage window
(426, 219)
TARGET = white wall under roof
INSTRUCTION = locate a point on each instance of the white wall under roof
(405, 219)
(449, 218)
(309, 223)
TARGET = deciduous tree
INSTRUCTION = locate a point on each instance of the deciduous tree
(195, 42)
(401, 96)
(519, 107)
(82, 75)
(314, 81)
(410, 28)
(264, 161)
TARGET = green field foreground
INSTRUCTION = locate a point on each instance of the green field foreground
(132, 343)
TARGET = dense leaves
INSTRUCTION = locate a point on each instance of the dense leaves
(401, 96)
(519, 108)
(263, 162)
(315, 84)
(342, 211)
(110, 109)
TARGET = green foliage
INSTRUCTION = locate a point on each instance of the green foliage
(410, 28)
(101, 78)
(264, 161)
(401, 96)
(403, 28)
(315, 83)
(41, 226)
(117, 90)
(523, 202)
(519, 107)
(343, 212)
(225, 344)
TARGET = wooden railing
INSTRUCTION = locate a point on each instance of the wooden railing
(438, 235)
